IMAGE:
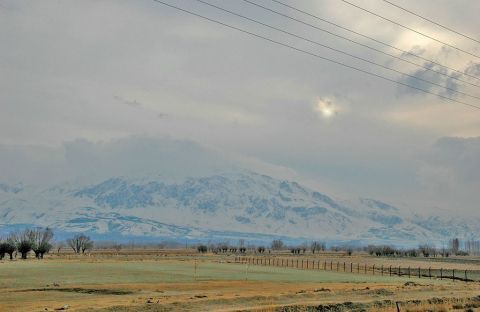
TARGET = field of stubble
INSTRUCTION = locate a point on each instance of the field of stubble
(181, 280)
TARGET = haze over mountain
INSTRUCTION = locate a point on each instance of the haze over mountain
(172, 189)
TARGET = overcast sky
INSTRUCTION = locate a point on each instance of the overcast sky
(102, 70)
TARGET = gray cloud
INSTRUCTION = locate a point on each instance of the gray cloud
(473, 69)
(451, 84)
(178, 76)
(450, 172)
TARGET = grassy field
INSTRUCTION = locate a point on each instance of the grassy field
(177, 282)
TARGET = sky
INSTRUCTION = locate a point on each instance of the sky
(77, 77)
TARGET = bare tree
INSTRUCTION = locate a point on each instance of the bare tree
(317, 246)
(25, 242)
(277, 244)
(241, 243)
(59, 245)
(304, 247)
(80, 243)
(427, 250)
(455, 245)
(41, 241)
(10, 246)
(3, 248)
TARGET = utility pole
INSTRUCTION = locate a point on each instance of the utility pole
(195, 270)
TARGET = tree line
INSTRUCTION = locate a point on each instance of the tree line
(455, 247)
(40, 242)
(275, 245)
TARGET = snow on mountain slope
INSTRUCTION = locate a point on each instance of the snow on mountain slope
(241, 202)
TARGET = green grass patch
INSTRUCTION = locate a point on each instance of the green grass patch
(39, 274)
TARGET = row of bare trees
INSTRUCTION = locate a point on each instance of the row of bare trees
(40, 242)
(455, 247)
(276, 245)
(37, 240)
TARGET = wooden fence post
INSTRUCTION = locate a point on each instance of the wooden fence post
(430, 272)
(351, 267)
(390, 270)
(408, 272)
(373, 270)
(344, 267)
(441, 273)
(466, 279)
(453, 277)
(382, 269)
(419, 273)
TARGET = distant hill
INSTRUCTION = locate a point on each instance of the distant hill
(235, 205)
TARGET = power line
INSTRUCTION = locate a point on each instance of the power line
(315, 55)
(409, 28)
(367, 37)
(431, 21)
(366, 46)
(336, 50)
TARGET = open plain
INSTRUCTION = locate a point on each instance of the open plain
(182, 280)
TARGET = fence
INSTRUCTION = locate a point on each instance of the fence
(357, 268)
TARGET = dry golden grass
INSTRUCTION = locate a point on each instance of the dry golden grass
(162, 280)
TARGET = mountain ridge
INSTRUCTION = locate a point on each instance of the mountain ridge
(245, 203)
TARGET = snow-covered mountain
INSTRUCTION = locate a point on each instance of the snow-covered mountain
(242, 204)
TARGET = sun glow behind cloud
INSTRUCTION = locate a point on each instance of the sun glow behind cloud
(325, 108)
